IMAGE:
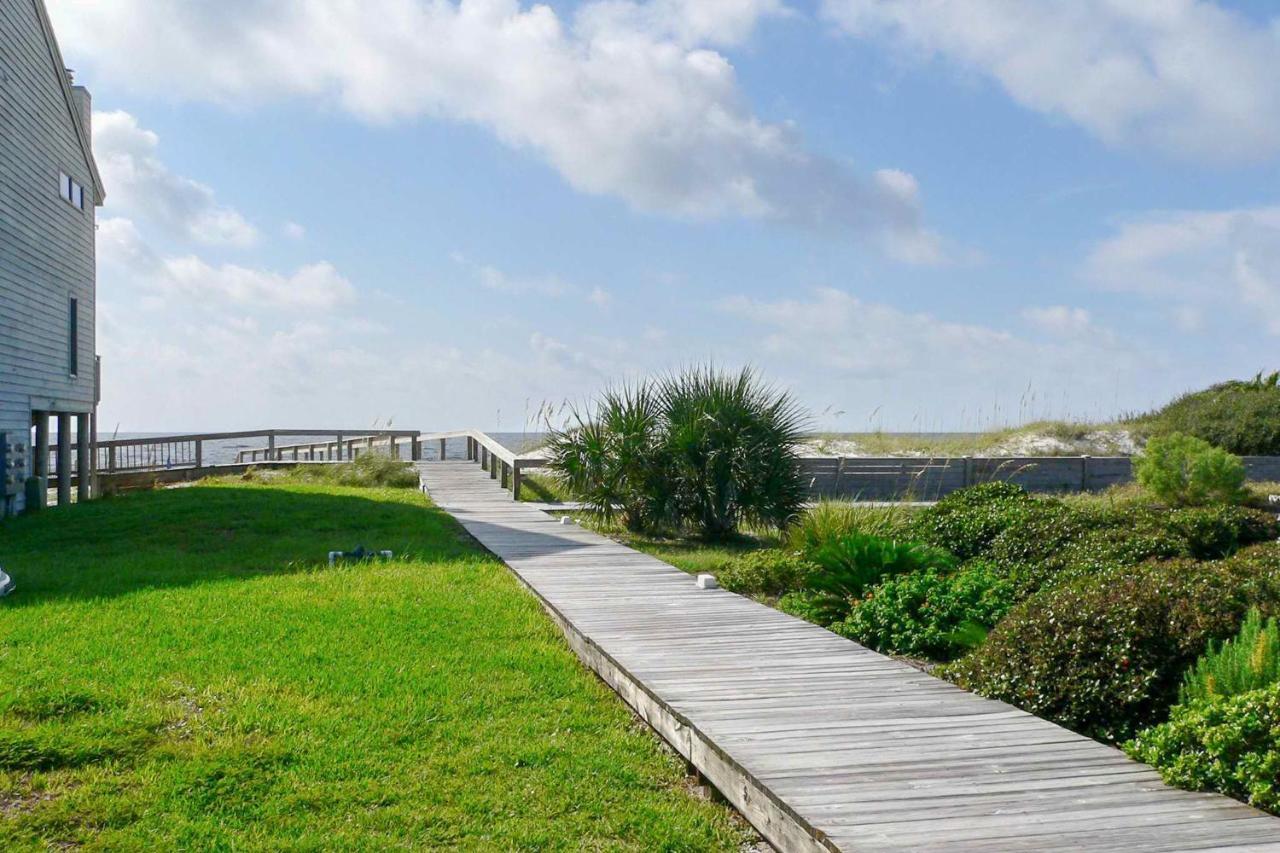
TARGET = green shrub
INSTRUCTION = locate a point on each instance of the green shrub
(766, 572)
(929, 613)
(729, 448)
(829, 520)
(1183, 470)
(1213, 532)
(1104, 654)
(1239, 417)
(812, 606)
(964, 523)
(1247, 661)
(611, 462)
(702, 449)
(1229, 745)
(852, 563)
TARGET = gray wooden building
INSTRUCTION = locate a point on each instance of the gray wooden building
(49, 192)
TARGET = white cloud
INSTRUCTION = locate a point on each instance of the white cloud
(141, 185)
(294, 231)
(864, 357)
(624, 99)
(1198, 263)
(1058, 319)
(600, 297)
(196, 283)
(1184, 76)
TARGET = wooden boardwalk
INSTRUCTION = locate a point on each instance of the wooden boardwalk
(821, 743)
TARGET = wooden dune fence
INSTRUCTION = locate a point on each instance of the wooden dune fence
(894, 478)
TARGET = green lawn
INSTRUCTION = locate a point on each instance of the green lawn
(182, 669)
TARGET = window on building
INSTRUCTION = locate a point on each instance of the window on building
(73, 336)
(71, 191)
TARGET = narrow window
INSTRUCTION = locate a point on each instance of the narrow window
(73, 337)
(77, 195)
(65, 185)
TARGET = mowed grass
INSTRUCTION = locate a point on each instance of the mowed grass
(182, 669)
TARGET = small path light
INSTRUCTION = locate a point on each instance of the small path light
(707, 582)
(358, 553)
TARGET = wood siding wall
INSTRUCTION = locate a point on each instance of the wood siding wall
(892, 478)
(46, 245)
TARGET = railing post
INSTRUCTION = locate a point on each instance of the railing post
(484, 458)
(516, 479)
(271, 445)
(505, 475)
(338, 449)
(392, 450)
(111, 458)
(494, 464)
(415, 448)
(442, 449)
(1084, 473)
(199, 453)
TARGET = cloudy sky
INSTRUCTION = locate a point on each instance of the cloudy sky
(916, 214)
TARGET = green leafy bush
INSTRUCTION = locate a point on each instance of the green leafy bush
(1183, 470)
(929, 613)
(1229, 745)
(829, 520)
(1213, 532)
(813, 606)
(1239, 417)
(964, 523)
(1104, 654)
(1247, 661)
(701, 449)
(766, 572)
(849, 565)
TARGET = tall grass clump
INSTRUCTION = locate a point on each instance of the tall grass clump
(368, 470)
(1248, 661)
(702, 449)
(829, 520)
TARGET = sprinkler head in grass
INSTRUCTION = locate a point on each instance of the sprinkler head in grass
(6, 584)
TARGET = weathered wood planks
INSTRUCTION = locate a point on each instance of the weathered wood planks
(821, 743)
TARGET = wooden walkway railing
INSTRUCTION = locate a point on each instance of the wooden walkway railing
(503, 464)
(167, 452)
(343, 446)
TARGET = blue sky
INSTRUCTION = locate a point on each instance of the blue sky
(916, 216)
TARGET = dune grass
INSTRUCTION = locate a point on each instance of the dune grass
(182, 669)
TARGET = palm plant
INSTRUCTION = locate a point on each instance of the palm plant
(610, 462)
(730, 443)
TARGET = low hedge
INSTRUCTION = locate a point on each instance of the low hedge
(1104, 654)
(1229, 745)
(1037, 541)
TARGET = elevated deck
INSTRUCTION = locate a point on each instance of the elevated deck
(821, 743)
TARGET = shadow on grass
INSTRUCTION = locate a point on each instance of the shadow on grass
(181, 537)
